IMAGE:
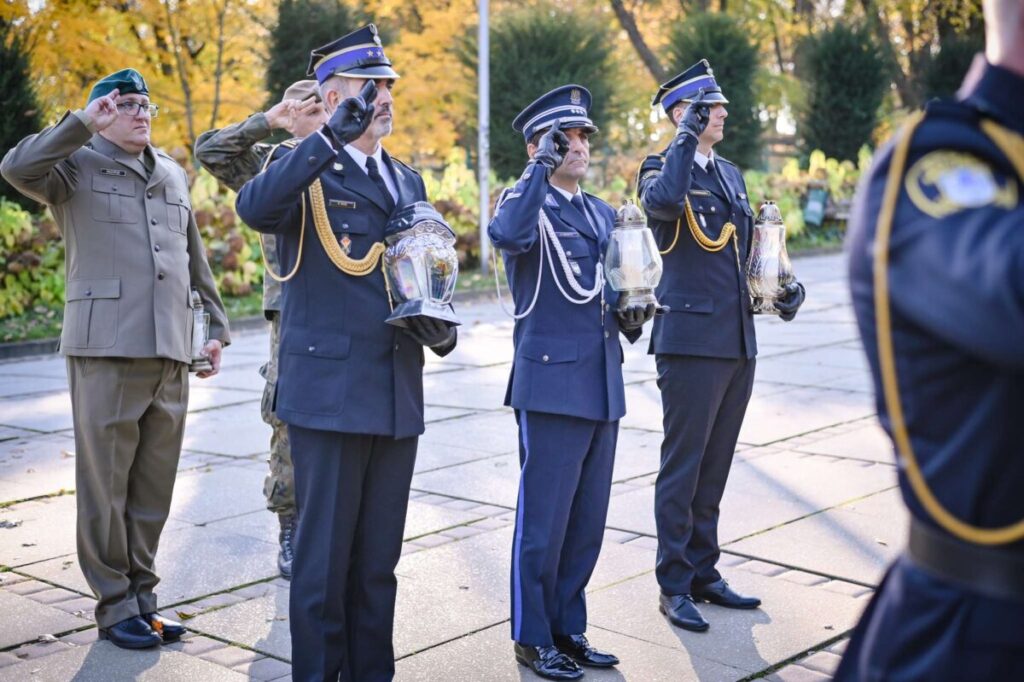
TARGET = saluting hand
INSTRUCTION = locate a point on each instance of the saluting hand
(695, 118)
(102, 111)
(354, 115)
(282, 114)
(552, 148)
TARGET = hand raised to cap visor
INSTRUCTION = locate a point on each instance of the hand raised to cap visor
(102, 111)
(354, 115)
(696, 116)
(552, 148)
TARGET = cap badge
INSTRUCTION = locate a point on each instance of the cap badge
(575, 96)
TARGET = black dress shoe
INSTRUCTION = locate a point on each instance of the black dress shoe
(721, 594)
(286, 538)
(170, 630)
(548, 662)
(131, 633)
(578, 648)
(682, 612)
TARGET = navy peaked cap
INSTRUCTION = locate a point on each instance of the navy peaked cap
(569, 105)
(356, 55)
(685, 86)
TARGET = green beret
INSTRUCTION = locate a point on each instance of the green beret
(126, 81)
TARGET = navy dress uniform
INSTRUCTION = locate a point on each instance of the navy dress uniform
(705, 347)
(566, 385)
(936, 249)
(350, 386)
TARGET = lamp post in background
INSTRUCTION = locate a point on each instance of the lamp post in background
(483, 128)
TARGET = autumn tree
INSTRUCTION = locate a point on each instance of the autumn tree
(20, 114)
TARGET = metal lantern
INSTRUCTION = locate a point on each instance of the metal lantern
(768, 267)
(200, 335)
(632, 263)
(420, 264)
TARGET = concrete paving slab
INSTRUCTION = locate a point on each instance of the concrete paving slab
(457, 389)
(203, 397)
(434, 413)
(37, 465)
(12, 385)
(237, 431)
(236, 373)
(641, 661)
(493, 432)
(637, 453)
(802, 410)
(260, 623)
(494, 480)
(217, 492)
(53, 366)
(829, 356)
(868, 442)
(8, 433)
(44, 413)
(421, 519)
(806, 333)
(840, 542)
(792, 619)
(191, 562)
(644, 408)
(432, 455)
(98, 663)
(45, 529)
(25, 619)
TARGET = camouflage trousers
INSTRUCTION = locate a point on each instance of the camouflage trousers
(279, 486)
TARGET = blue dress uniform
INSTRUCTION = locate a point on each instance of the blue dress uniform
(937, 276)
(705, 346)
(350, 389)
(566, 387)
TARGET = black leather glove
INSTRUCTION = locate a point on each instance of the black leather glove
(634, 316)
(695, 117)
(354, 115)
(429, 331)
(791, 302)
(551, 149)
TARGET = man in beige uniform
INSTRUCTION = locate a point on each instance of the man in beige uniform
(234, 155)
(133, 256)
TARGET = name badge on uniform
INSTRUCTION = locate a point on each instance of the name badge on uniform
(700, 192)
(340, 203)
(113, 171)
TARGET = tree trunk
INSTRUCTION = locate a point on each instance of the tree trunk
(877, 22)
(629, 25)
(219, 73)
(186, 88)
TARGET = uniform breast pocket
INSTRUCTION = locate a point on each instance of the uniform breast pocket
(576, 252)
(352, 230)
(179, 209)
(113, 200)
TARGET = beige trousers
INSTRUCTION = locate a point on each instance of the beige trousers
(129, 419)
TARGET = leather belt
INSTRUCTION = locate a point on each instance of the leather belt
(996, 572)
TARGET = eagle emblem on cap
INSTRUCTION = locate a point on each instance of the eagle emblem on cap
(373, 32)
(575, 97)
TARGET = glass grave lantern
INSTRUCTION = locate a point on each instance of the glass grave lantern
(200, 335)
(633, 265)
(420, 264)
(768, 267)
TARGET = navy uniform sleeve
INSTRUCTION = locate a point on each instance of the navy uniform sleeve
(270, 201)
(663, 181)
(514, 225)
(961, 276)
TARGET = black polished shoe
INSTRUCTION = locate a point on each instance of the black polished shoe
(548, 662)
(131, 633)
(721, 594)
(682, 612)
(578, 648)
(170, 630)
(286, 537)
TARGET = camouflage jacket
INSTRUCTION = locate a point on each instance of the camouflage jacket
(234, 155)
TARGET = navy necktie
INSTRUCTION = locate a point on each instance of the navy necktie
(374, 173)
(577, 202)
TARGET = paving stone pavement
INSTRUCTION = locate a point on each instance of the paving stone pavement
(809, 520)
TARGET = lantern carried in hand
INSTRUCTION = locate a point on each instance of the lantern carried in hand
(768, 267)
(420, 264)
(633, 265)
(200, 336)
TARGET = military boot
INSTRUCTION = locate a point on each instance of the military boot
(286, 538)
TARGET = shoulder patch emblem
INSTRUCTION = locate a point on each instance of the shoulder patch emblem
(942, 183)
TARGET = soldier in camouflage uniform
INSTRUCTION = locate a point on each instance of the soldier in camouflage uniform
(234, 155)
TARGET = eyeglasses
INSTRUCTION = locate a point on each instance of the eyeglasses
(133, 108)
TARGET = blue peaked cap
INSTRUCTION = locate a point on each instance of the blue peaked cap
(685, 86)
(358, 54)
(569, 105)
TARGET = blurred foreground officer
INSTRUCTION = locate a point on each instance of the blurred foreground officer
(698, 208)
(133, 256)
(566, 384)
(937, 272)
(350, 386)
(234, 155)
